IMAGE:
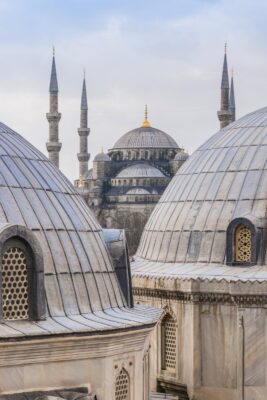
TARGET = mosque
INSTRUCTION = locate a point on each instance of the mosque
(125, 184)
(202, 259)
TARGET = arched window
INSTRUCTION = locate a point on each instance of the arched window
(15, 284)
(168, 343)
(122, 386)
(22, 292)
(242, 244)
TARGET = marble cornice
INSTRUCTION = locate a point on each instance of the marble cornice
(220, 298)
(56, 349)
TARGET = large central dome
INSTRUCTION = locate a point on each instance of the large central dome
(225, 179)
(145, 137)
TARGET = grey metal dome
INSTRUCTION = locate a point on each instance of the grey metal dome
(102, 157)
(146, 138)
(141, 170)
(80, 280)
(137, 191)
(224, 179)
(181, 156)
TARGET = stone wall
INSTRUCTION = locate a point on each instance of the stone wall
(82, 361)
(221, 344)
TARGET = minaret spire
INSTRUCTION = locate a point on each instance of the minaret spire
(232, 97)
(83, 155)
(53, 116)
(224, 115)
(145, 123)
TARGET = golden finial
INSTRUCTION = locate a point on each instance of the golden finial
(225, 47)
(146, 123)
(54, 51)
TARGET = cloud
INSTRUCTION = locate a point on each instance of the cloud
(170, 59)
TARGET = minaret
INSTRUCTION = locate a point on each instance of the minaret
(83, 155)
(145, 123)
(232, 98)
(225, 115)
(53, 145)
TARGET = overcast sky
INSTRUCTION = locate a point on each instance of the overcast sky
(166, 53)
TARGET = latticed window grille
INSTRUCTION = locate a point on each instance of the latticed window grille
(122, 387)
(169, 343)
(243, 244)
(15, 301)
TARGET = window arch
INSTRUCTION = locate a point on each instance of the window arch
(242, 245)
(243, 241)
(168, 343)
(22, 293)
(122, 386)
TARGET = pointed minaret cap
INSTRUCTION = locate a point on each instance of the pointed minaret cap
(225, 78)
(232, 94)
(53, 88)
(145, 123)
(84, 105)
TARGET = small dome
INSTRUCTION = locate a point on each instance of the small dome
(88, 174)
(141, 170)
(181, 156)
(146, 137)
(102, 157)
(138, 191)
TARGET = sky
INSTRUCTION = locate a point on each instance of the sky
(164, 53)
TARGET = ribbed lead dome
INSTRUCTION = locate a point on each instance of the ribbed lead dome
(142, 170)
(224, 179)
(145, 138)
(80, 280)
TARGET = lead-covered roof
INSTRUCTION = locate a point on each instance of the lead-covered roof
(145, 138)
(224, 179)
(82, 290)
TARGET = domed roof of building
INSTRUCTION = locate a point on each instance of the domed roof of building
(140, 170)
(145, 138)
(181, 156)
(138, 191)
(224, 179)
(79, 277)
(102, 157)
(88, 174)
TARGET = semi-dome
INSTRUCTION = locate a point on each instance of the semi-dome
(145, 137)
(138, 191)
(140, 170)
(102, 157)
(224, 180)
(80, 280)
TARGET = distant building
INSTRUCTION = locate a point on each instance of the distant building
(124, 185)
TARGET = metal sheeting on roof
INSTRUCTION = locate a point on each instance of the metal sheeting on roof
(137, 191)
(224, 179)
(145, 138)
(82, 290)
(141, 170)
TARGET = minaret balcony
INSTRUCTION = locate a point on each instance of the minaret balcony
(53, 146)
(83, 131)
